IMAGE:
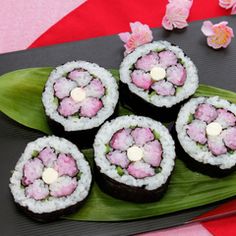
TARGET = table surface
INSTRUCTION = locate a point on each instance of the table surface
(216, 68)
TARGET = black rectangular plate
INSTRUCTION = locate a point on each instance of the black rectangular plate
(216, 67)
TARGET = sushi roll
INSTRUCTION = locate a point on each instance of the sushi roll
(206, 131)
(134, 158)
(78, 97)
(51, 178)
(156, 79)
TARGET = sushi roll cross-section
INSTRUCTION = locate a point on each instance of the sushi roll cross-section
(78, 97)
(156, 78)
(206, 130)
(51, 178)
(134, 158)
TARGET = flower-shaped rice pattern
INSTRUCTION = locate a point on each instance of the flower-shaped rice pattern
(143, 138)
(204, 115)
(175, 73)
(33, 169)
(93, 88)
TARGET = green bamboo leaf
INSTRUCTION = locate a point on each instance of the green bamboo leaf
(20, 96)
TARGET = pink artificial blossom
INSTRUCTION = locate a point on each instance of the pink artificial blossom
(218, 35)
(140, 35)
(227, 4)
(177, 12)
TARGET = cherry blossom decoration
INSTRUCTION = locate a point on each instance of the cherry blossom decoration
(177, 12)
(227, 4)
(140, 34)
(218, 35)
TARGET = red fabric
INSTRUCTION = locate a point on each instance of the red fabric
(99, 18)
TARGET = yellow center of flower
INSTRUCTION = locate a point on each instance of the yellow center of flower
(213, 129)
(221, 37)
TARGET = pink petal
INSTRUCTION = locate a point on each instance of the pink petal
(197, 131)
(167, 58)
(140, 170)
(118, 158)
(177, 75)
(80, 76)
(225, 118)
(164, 88)
(230, 138)
(63, 87)
(90, 107)
(122, 140)
(141, 79)
(206, 112)
(48, 156)
(95, 89)
(142, 135)
(147, 62)
(68, 107)
(226, 3)
(66, 165)
(124, 36)
(233, 11)
(153, 153)
(38, 190)
(32, 170)
(63, 186)
(216, 145)
(207, 28)
(166, 23)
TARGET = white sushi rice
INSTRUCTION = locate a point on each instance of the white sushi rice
(52, 204)
(105, 134)
(202, 154)
(188, 89)
(109, 100)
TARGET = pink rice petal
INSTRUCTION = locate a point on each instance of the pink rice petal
(177, 75)
(207, 28)
(153, 153)
(230, 138)
(197, 131)
(141, 79)
(81, 77)
(142, 135)
(167, 58)
(206, 112)
(164, 88)
(38, 190)
(90, 107)
(147, 62)
(118, 158)
(66, 165)
(68, 107)
(47, 156)
(63, 186)
(216, 145)
(122, 140)
(95, 89)
(124, 36)
(140, 170)
(32, 170)
(225, 118)
(63, 87)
